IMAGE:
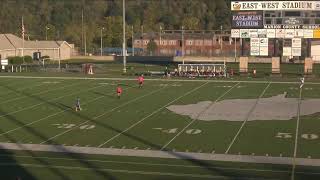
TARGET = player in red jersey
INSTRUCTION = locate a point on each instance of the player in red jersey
(140, 81)
(119, 91)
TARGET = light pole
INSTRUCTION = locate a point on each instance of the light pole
(124, 36)
(160, 39)
(47, 28)
(101, 41)
(132, 41)
(182, 43)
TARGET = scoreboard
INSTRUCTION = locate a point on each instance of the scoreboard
(290, 21)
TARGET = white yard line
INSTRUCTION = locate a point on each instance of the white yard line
(296, 138)
(195, 119)
(42, 92)
(207, 176)
(51, 115)
(157, 79)
(151, 114)
(247, 118)
(96, 117)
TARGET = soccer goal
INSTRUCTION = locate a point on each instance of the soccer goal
(202, 70)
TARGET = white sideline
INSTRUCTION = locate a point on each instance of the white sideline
(96, 117)
(157, 79)
(248, 116)
(151, 114)
(207, 176)
(195, 119)
(161, 154)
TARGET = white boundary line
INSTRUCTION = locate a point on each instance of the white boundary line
(149, 164)
(59, 112)
(208, 176)
(96, 117)
(296, 138)
(42, 92)
(151, 114)
(211, 104)
(157, 79)
(248, 116)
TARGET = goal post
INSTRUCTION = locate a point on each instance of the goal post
(202, 70)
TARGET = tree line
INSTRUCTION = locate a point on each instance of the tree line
(70, 19)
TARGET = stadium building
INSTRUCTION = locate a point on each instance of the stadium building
(11, 45)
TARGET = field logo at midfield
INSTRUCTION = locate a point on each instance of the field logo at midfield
(273, 108)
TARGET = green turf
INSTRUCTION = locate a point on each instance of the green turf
(41, 111)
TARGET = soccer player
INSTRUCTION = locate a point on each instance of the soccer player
(78, 107)
(119, 91)
(301, 82)
(254, 72)
(140, 81)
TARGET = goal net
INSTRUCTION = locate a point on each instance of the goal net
(202, 70)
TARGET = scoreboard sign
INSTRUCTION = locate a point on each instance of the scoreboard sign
(275, 5)
(247, 19)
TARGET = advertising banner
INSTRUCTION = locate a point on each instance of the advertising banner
(271, 33)
(296, 51)
(235, 33)
(298, 33)
(296, 42)
(289, 33)
(254, 42)
(262, 33)
(247, 19)
(275, 5)
(254, 51)
(244, 33)
(316, 33)
(287, 51)
(253, 33)
(263, 42)
(280, 33)
(264, 51)
(308, 33)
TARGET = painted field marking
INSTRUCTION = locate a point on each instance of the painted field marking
(296, 137)
(248, 116)
(199, 114)
(42, 92)
(151, 114)
(51, 100)
(127, 171)
(159, 80)
(54, 114)
(96, 117)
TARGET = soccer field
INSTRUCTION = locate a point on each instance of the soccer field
(196, 118)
